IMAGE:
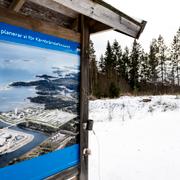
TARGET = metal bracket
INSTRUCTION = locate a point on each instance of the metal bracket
(87, 152)
(88, 125)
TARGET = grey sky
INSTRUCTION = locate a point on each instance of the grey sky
(162, 17)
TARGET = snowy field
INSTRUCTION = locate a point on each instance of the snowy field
(137, 138)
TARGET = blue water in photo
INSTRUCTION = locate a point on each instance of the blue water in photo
(38, 139)
(20, 63)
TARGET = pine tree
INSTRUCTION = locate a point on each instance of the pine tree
(117, 57)
(162, 58)
(144, 67)
(102, 64)
(93, 71)
(109, 64)
(125, 64)
(134, 65)
(153, 62)
(91, 51)
(175, 59)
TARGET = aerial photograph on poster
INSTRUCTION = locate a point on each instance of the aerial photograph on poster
(39, 101)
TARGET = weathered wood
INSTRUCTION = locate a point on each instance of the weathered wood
(13, 18)
(117, 11)
(84, 96)
(100, 13)
(43, 13)
(5, 4)
(56, 7)
(75, 24)
(97, 26)
(16, 5)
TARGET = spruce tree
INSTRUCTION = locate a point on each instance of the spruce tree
(134, 65)
(91, 51)
(175, 59)
(125, 64)
(102, 64)
(117, 57)
(93, 71)
(153, 62)
(109, 63)
(144, 67)
(162, 58)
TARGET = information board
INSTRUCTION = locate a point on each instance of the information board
(39, 103)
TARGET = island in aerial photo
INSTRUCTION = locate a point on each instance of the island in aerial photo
(39, 101)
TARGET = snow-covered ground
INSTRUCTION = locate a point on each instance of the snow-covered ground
(137, 138)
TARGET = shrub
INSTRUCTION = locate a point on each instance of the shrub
(113, 90)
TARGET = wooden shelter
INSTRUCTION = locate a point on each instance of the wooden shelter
(73, 20)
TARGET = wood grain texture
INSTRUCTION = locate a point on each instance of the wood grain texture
(16, 5)
(43, 13)
(84, 96)
(13, 18)
(56, 7)
(104, 15)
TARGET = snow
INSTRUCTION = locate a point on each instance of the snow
(2, 141)
(135, 139)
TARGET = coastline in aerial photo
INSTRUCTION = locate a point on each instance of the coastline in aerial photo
(39, 95)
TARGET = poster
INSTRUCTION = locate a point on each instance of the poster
(39, 94)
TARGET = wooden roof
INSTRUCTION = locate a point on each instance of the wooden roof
(65, 13)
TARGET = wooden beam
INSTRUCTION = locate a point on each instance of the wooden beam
(84, 96)
(16, 5)
(98, 27)
(56, 7)
(16, 19)
(100, 13)
(75, 24)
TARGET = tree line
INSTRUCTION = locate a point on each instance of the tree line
(132, 70)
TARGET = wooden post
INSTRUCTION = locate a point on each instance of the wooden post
(84, 96)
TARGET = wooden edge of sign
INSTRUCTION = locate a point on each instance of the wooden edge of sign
(85, 35)
(13, 18)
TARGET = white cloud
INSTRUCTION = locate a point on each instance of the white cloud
(22, 57)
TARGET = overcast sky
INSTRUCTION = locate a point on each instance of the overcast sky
(162, 16)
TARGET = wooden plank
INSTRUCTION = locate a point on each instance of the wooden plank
(84, 96)
(16, 5)
(97, 27)
(75, 24)
(117, 11)
(56, 7)
(13, 18)
(102, 14)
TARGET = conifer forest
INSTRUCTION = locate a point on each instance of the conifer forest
(132, 70)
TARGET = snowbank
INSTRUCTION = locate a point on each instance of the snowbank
(136, 138)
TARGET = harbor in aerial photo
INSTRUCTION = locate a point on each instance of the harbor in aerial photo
(39, 101)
